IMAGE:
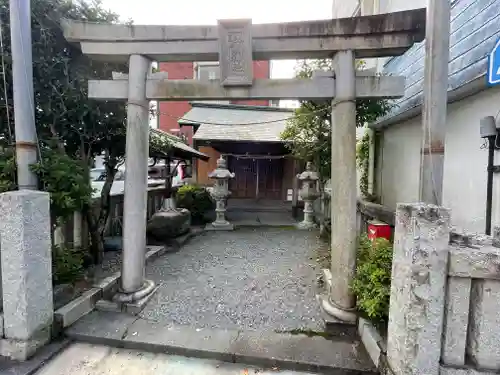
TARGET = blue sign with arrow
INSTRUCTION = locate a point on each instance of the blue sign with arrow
(493, 74)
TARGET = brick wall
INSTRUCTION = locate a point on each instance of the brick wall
(185, 70)
(175, 70)
(203, 168)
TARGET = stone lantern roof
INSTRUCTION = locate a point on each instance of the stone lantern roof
(221, 172)
(309, 174)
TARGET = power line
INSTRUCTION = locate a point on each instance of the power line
(6, 97)
(300, 115)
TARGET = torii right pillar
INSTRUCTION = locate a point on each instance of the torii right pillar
(340, 302)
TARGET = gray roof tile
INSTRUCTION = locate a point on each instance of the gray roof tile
(238, 124)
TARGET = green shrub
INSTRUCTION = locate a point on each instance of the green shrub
(196, 199)
(7, 169)
(372, 284)
(67, 264)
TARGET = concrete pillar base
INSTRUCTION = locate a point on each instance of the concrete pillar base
(344, 316)
(132, 303)
(306, 225)
(219, 226)
(22, 350)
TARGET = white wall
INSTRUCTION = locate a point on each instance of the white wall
(387, 6)
(343, 8)
(464, 178)
(400, 160)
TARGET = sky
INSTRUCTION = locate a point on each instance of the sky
(207, 12)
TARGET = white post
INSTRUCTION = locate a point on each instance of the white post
(77, 229)
(340, 303)
(136, 179)
(59, 239)
(435, 96)
(24, 108)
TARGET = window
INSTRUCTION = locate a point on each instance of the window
(208, 72)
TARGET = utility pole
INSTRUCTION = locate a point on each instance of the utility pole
(435, 100)
(24, 108)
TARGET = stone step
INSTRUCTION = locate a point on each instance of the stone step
(296, 352)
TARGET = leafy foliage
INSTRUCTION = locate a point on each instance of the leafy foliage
(60, 73)
(362, 160)
(80, 127)
(64, 178)
(159, 144)
(308, 133)
(196, 199)
(7, 169)
(67, 264)
(372, 283)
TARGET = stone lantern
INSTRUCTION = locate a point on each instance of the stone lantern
(220, 193)
(309, 193)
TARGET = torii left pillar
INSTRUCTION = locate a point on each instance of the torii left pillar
(134, 290)
(340, 300)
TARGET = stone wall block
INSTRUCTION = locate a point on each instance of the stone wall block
(26, 263)
(456, 321)
(418, 288)
(483, 345)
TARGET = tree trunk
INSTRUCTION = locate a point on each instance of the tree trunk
(96, 241)
(97, 223)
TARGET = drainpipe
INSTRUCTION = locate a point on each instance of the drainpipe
(488, 130)
(489, 183)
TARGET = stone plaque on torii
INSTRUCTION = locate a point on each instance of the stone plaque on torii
(234, 43)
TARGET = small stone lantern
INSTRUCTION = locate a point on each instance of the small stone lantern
(220, 193)
(309, 193)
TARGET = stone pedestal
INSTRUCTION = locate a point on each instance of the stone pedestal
(26, 263)
(220, 193)
(418, 288)
(309, 193)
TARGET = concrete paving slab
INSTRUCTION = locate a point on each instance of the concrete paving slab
(85, 359)
(42, 357)
(181, 340)
(296, 352)
(301, 352)
(101, 327)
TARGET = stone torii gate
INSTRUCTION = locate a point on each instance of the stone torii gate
(234, 43)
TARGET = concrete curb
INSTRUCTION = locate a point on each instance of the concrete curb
(84, 304)
(264, 225)
(371, 339)
(70, 313)
(266, 349)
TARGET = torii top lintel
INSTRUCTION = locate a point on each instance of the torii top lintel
(380, 35)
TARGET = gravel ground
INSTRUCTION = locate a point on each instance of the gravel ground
(252, 279)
